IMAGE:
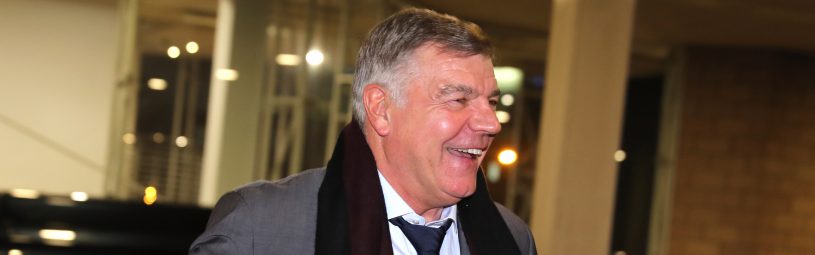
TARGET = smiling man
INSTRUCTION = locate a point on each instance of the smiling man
(429, 146)
(404, 177)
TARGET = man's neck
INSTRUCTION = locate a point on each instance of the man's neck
(430, 215)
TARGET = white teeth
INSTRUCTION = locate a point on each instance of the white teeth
(476, 152)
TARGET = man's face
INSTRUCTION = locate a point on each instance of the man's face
(442, 131)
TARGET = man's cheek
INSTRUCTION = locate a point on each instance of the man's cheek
(443, 124)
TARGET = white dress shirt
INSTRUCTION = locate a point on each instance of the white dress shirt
(396, 207)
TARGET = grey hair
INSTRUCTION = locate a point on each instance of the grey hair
(384, 57)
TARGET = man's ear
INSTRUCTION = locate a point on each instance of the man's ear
(376, 102)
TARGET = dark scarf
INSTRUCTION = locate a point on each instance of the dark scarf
(351, 217)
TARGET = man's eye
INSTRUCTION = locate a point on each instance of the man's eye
(461, 100)
(494, 103)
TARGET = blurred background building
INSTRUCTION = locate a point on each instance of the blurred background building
(629, 127)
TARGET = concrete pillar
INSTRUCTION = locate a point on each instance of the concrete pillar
(230, 152)
(573, 197)
(118, 183)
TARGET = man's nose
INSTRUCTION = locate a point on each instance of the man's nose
(485, 121)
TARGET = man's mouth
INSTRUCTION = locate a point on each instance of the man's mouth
(467, 152)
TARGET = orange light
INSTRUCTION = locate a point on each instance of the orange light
(507, 157)
(150, 195)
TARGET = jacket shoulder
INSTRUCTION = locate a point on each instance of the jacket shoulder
(264, 215)
(301, 184)
(519, 229)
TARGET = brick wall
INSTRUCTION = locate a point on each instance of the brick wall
(745, 176)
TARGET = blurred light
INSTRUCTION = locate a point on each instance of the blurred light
(509, 78)
(79, 196)
(503, 117)
(150, 195)
(619, 253)
(158, 137)
(181, 141)
(315, 57)
(173, 52)
(191, 47)
(287, 59)
(507, 156)
(493, 172)
(15, 252)
(25, 193)
(157, 84)
(226, 74)
(129, 138)
(619, 155)
(58, 235)
(150, 191)
(507, 99)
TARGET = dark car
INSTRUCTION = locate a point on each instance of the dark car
(59, 225)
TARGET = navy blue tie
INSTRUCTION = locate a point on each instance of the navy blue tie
(426, 240)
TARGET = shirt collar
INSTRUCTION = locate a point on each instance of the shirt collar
(395, 206)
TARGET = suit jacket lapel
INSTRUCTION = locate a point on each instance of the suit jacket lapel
(462, 240)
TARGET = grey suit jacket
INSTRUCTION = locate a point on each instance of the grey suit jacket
(280, 218)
